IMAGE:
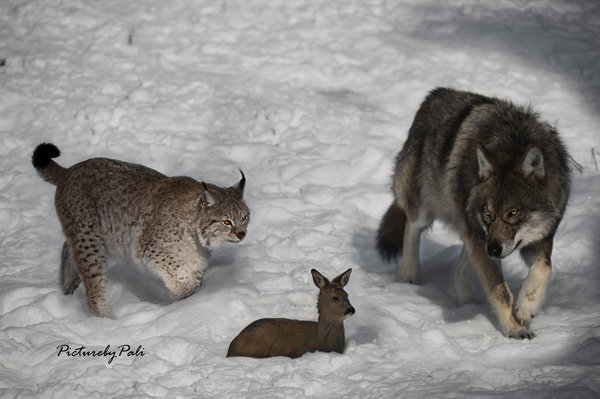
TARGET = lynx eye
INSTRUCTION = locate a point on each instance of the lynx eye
(245, 219)
(227, 222)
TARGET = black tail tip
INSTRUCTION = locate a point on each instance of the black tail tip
(43, 154)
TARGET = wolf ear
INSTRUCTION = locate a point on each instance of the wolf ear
(239, 186)
(343, 278)
(533, 163)
(485, 166)
(319, 279)
(206, 198)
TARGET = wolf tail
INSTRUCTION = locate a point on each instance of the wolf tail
(391, 232)
(42, 161)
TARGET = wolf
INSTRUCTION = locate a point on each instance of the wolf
(496, 174)
(130, 213)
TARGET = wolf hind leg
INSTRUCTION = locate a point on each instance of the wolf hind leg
(533, 290)
(69, 277)
(461, 278)
(409, 270)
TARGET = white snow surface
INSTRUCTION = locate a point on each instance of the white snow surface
(312, 99)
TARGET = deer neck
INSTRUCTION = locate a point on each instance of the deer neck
(331, 334)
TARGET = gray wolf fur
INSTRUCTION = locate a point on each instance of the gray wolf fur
(499, 176)
(130, 213)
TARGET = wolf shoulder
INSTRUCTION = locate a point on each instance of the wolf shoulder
(451, 123)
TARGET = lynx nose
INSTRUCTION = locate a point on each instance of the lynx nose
(494, 250)
(241, 235)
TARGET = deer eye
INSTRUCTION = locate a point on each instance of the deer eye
(335, 298)
(227, 222)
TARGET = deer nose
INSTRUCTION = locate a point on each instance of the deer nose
(241, 235)
(350, 310)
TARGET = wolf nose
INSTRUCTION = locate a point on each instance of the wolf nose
(494, 250)
(241, 235)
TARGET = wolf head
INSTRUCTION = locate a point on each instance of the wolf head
(511, 203)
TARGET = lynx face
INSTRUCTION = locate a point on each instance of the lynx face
(224, 215)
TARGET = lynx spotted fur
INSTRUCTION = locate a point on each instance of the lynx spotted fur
(132, 214)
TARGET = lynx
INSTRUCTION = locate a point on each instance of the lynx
(113, 210)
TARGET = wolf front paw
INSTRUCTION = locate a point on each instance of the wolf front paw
(524, 315)
(520, 333)
(526, 308)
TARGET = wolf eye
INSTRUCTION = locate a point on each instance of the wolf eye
(514, 212)
(227, 222)
(485, 211)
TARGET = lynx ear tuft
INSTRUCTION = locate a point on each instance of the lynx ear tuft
(239, 186)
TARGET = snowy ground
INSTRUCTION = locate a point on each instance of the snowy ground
(312, 99)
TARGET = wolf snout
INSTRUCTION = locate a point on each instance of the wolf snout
(494, 250)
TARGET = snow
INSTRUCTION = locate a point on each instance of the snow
(312, 100)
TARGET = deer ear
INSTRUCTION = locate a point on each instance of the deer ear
(206, 198)
(239, 186)
(483, 161)
(533, 163)
(319, 279)
(343, 278)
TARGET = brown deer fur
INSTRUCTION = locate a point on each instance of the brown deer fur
(293, 338)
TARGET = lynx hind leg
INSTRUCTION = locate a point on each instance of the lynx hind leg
(89, 255)
(69, 276)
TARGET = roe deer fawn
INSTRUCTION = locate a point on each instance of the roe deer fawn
(293, 338)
